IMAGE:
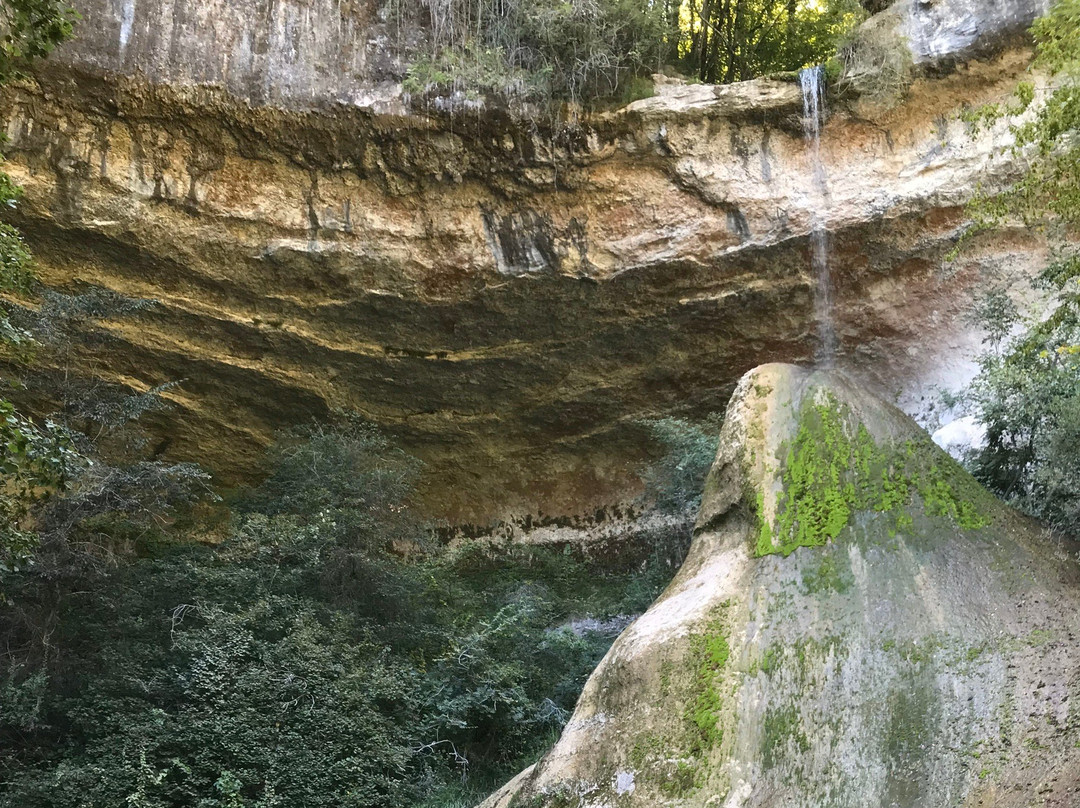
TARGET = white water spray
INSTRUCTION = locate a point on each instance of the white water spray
(812, 80)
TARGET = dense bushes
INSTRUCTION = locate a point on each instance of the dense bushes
(674, 482)
(734, 40)
(324, 654)
(1027, 393)
(576, 50)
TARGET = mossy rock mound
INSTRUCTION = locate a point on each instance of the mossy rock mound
(858, 624)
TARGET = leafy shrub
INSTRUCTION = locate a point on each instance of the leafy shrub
(585, 50)
(347, 478)
(576, 49)
(1027, 392)
(32, 28)
(305, 661)
(877, 63)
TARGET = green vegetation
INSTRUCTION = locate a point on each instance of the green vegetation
(585, 50)
(674, 481)
(532, 50)
(709, 652)
(782, 727)
(876, 64)
(34, 457)
(724, 42)
(834, 469)
(29, 30)
(1027, 392)
(681, 781)
(826, 576)
(35, 463)
(816, 502)
(677, 758)
(324, 652)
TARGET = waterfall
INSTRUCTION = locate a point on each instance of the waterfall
(812, 80)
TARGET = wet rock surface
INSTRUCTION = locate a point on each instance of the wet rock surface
(888, 634)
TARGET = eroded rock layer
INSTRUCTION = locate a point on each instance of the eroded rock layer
(508, 298)
(857, 623)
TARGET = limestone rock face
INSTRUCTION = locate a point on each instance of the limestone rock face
(295, 53)
(506, 301)
(858, 623)
(508, 298)
(938, 30)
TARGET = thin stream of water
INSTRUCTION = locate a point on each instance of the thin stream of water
(812, 80)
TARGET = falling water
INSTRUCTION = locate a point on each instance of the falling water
(812, 80)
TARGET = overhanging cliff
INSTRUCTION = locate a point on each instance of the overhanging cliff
(507, 296)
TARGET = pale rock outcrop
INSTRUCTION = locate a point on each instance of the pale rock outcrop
(960, 436)
(921, 650)
(948, 30)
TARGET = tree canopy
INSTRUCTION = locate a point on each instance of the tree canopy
(30, 30)
(724, 41)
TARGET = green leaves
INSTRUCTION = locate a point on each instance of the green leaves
(15, 273)
(301, 662)
(726, 42)
(588, 50)
(1028, 395)
(536, 51)
(1027, 392)
(1058, 37)
(674, 481)
(35, 464)
(30, 30)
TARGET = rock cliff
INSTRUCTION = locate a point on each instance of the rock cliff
(509, 297)
(858, 623)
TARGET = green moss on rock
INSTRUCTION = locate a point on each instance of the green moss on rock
(832, 470)
(783, 732)
(709, 655)
(681, 781)
(828, 575)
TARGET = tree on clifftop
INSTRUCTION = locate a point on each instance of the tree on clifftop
(586, 50)
(735, 40)
(30, 30)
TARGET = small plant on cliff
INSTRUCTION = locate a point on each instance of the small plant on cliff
(876, 63)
